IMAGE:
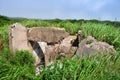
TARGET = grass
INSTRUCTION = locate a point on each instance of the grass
(102, 66)
(20, 67)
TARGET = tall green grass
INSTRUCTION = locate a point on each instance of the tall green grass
(16, 67)
(4, 35)
(102, 66)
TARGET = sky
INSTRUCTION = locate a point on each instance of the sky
(62, 9)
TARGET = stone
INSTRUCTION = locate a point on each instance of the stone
(76, 41)
(18, 41)
(39, 69)
(18, 37)
(43, 46)
(102, 46)
(90, 46)
(80, 34)
(66, 46)
(47, 34)
(51, 53)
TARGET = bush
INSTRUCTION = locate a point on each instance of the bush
(23, 58)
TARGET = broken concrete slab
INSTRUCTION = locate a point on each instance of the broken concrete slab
(47, 34)
(102, 46)
(66, 46)
(90, 46)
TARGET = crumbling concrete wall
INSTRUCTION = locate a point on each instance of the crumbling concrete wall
(18, 37)
(42, 42)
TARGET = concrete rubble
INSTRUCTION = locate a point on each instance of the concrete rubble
(90, 46)
(43, 42)
(46, 43)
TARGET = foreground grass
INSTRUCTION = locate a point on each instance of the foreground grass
(102, 66)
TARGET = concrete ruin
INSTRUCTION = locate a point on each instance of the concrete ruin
(46, 43)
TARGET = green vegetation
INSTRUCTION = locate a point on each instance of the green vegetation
(102, 66)
(19, 67)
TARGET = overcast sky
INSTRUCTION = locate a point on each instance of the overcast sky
(62, 9)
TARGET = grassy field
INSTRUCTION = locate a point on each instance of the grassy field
(102, 66)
